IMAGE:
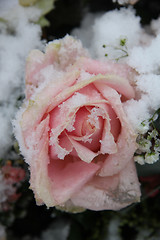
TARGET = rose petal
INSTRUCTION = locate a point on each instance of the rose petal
(126, 143)
(83, 153)
(119, 194)
(119, 74)
(68, 177)
(39, 160)
(36, 108)
(37, 61)
(61, 148)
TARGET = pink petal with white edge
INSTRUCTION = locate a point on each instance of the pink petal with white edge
(36, 62)
(61, 148)
(62, 116)
(39, 160)
(108, 144)
(120, 74)
(68, 176)
(83, 153)
(126, 143)
(114, 122)
(122, 190)
(38, 106)
(92, 140)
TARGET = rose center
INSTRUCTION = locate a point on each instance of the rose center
(87, 128)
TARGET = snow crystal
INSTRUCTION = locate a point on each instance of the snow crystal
(70, 50)
(93, 118)
(70, 127)
(84, 76)
(142, 109)
(109, 29)
(14, 47)
(114, 26)
(149, 84)
(48, 74)
(77, 100)
(146, 59)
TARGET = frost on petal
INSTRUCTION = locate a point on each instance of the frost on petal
(119, 75)
(126, 143)
(69, 51)
(108, 144)
(83, 153)
(59, 55)
(39, 160)
(120, 191)
(38, 106)
(36, 62)
(61, 117)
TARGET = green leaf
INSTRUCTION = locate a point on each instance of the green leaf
(26, 3)
(43, 22)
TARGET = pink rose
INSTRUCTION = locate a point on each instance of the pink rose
(73, 131)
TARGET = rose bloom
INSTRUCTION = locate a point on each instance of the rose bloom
(73, 131)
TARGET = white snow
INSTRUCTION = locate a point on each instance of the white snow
(108, 29)
(17, 37)
(146, 59)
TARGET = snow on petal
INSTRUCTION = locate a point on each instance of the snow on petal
(83, 153)
(108, 144)
(39, 160)
(120, 75)
(118, 194)
(126, 143)
(39, 105)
